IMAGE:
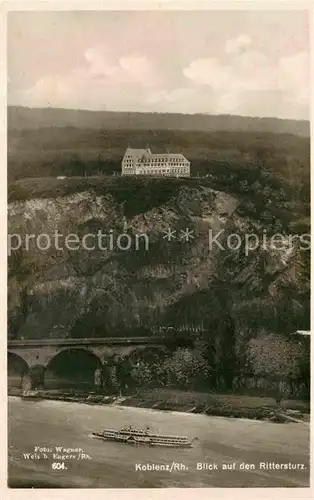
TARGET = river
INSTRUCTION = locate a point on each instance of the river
(99, 464)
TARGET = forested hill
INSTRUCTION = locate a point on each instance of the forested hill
(21, 118)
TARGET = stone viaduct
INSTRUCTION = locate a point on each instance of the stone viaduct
(36, 356)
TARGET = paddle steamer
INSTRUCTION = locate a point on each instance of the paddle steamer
(133, 436)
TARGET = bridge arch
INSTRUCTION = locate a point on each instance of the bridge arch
(73, 368)
(18, 369)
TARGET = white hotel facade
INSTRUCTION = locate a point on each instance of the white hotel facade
(144, 162)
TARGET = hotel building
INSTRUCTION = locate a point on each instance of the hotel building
(144, 162)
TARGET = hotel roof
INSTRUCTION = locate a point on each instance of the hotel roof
(147, 154)
(137, 152)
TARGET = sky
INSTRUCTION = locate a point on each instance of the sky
(250, 63)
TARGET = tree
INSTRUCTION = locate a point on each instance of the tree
(276, 358)
(186, 368)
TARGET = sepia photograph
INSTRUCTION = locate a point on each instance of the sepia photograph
(159, 243)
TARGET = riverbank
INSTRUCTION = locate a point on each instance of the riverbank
(223, 405)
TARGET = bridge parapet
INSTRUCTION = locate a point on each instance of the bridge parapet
(41, 352)
(89, 341)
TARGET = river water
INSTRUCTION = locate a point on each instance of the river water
(50, 424)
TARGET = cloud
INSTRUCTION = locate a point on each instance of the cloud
(244, 81)
(47, 91)
(252, 76)
(238, 44)
(103, 82)
(208, 72)
(250, 71)
(98, 64)
(132, 68)
(215, 61)
(248, 81)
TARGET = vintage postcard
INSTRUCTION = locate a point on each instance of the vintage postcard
(158, 262)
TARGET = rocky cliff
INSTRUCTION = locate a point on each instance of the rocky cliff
(191, 281)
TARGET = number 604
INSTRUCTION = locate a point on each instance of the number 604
(58, 465)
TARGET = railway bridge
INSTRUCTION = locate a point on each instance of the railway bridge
(78, 362)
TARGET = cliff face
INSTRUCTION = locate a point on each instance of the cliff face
(80, 292)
